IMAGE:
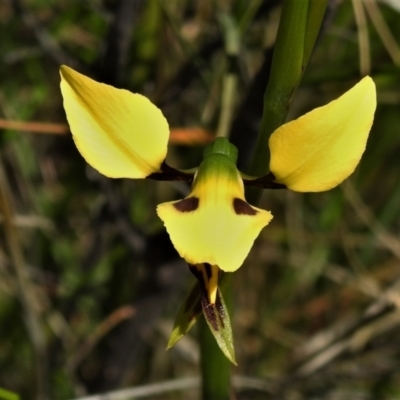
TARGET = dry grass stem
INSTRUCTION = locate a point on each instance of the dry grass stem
(363, 39)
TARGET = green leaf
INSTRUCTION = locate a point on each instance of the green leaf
(216, 315)
(187, 315)
(218, 321)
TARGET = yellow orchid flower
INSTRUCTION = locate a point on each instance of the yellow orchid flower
(123, 135)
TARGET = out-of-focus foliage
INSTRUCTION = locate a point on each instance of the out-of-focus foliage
(89, 282)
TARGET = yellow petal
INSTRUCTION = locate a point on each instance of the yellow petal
(319, 150)
(214, 224)
(119, 133)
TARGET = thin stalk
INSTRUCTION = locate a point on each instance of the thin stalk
(298, 30)
(230, 80)
(363, 39)
(229, 85)
(388, 40)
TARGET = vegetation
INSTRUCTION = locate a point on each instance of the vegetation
(89, 281)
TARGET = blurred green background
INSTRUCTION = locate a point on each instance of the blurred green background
(89, 282)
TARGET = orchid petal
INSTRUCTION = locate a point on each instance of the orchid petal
(317, 151)
(119, 133)
(214, 224)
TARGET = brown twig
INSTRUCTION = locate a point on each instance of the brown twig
(191, 136)
(98, 333)
(34, 127)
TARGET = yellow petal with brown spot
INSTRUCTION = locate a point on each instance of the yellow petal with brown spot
(214, 224)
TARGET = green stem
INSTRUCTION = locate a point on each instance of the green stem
(215, 367)
(230, 80)
(298, 30)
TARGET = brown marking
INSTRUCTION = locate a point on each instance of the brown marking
(209, 312)
(168, 173)
(265, 182)
(208, 270)
(241, 207)
(221, 309)
(187, 205)
(199, 276)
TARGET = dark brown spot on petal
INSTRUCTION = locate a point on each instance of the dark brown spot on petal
(241, 207)
(187, 205)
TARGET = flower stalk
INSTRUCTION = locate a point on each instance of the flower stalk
(299, 26)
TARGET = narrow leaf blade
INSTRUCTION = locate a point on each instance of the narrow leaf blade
(218, 320)
(187, 315)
